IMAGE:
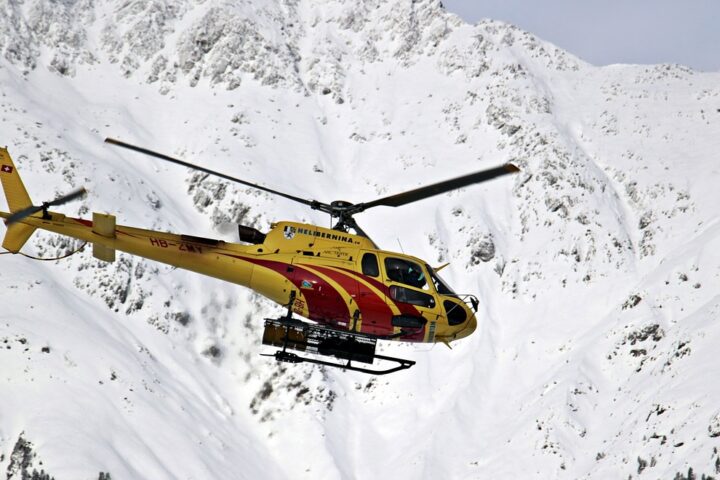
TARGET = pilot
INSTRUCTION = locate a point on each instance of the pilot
(415, 276)
(405, 272)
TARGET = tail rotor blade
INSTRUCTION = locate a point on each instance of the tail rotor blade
(20, 214)
(80, 192)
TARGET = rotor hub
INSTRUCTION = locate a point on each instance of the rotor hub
(340, 205)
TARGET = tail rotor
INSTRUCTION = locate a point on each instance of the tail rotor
(26, 212)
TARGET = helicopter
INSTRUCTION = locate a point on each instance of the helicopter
(350, 292)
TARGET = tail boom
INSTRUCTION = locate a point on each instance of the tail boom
(214, 258)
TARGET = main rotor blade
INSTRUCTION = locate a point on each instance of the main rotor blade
(26, 212)
(312, 203)
(440, 187)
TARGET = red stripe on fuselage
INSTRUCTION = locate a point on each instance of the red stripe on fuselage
(376, 313)
(325, 304)
(404, 308)
(87, 223)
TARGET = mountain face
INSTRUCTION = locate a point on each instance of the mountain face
(596, 266)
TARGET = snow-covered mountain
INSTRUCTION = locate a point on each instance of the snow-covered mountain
(597, 266)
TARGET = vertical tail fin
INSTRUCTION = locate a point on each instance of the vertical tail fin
(17, 199)
(15, 193)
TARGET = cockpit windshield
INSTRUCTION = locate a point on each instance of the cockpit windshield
(440, 285)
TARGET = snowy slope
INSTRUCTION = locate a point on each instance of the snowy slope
(597, 266)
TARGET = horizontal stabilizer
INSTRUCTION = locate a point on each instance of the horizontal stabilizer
(16, 236)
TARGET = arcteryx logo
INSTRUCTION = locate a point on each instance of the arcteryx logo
(6, 169)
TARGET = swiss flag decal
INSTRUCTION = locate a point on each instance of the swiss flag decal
(6, 169)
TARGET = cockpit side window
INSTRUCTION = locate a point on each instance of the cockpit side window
(441, 287)
(370, 265)
(405, 272)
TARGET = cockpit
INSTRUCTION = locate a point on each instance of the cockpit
(456, 314)
(418, 284)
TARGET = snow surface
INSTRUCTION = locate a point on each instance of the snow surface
(597, 266)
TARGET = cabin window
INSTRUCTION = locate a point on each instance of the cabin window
(405, 272)
(370, 265)
(413, 297)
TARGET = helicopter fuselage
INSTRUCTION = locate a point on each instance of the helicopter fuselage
(339, 279)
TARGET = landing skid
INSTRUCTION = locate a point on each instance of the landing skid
(293, 334)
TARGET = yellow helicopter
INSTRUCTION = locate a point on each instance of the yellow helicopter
(354, 293)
